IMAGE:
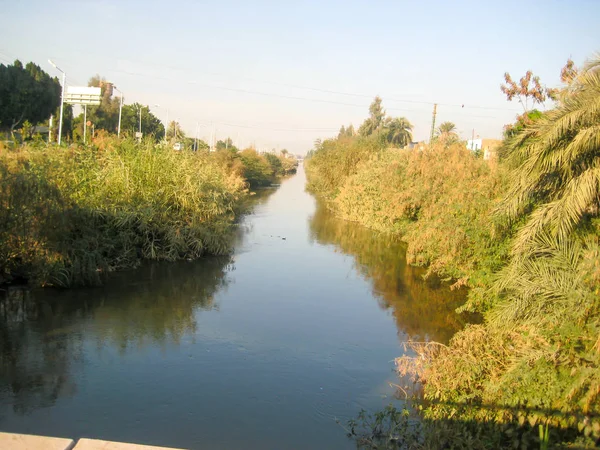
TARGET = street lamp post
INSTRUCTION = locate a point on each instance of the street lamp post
(175, 129)
(62, 100)
(141, 107)
(167, 122)
(120, 111)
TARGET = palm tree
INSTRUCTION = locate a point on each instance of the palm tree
(446, 134)
(556, 164)
(399, 131)
(446, 130)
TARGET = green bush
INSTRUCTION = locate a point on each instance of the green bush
(524, 235)
(438, 200)
(69, 215)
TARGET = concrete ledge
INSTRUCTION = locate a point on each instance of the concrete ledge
(94, 444)
(31, 442)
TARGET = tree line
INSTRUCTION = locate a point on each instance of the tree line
(29, 97)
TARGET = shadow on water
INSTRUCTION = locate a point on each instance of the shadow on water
(424, 309)
(42, 331)
(270, 344)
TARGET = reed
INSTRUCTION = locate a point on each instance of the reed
(70, 215)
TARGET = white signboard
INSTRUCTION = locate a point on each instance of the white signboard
(79, 95)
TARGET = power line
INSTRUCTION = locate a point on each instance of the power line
(329, 91)
(315, 89)
(288, 97)
(275, 129)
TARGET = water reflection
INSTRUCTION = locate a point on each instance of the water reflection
(43, 332)
(174, 354)
(423, 309)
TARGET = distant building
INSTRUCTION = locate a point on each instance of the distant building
(488, 146)
(474, 144)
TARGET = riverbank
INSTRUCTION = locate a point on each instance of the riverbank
(69, 216)
(281, 337)
(523, 234)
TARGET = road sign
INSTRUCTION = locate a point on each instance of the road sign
(79, 95)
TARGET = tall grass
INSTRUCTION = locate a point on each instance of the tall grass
(438, 200)
(69, 215)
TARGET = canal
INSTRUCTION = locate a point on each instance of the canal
(260, 350)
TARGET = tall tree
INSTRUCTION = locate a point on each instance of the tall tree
(226, 144)
(174, 131)
(375, 120)
(26, 93)
(106, 115)
(151, 125)
(446, 128)
(446, 133)
(346, 132)
(398, 131)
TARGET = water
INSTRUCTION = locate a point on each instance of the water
(264, 349)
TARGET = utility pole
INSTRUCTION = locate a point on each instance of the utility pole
(215, 138)
(167, 127)
(120, 111)
(433, 123)
(84, 123)
(473, 140)
(62, 100)
(140, 130)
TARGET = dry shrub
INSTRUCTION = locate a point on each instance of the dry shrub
(440, 200)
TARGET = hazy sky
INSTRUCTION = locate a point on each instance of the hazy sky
(264, 71)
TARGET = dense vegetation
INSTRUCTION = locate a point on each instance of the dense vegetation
(27, 95)
(70, 215)
(523, 233)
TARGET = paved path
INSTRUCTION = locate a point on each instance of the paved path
(11, 441)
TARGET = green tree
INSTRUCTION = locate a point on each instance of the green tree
(195, 144)
(106, 115)
(275, 162)
(226, 144)
(446, 129)
(376, 118)
(257, 170)
(26, 93)
(174, 132)
(398, 131)
(151, 125)
(446, 133)
(346, 132)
